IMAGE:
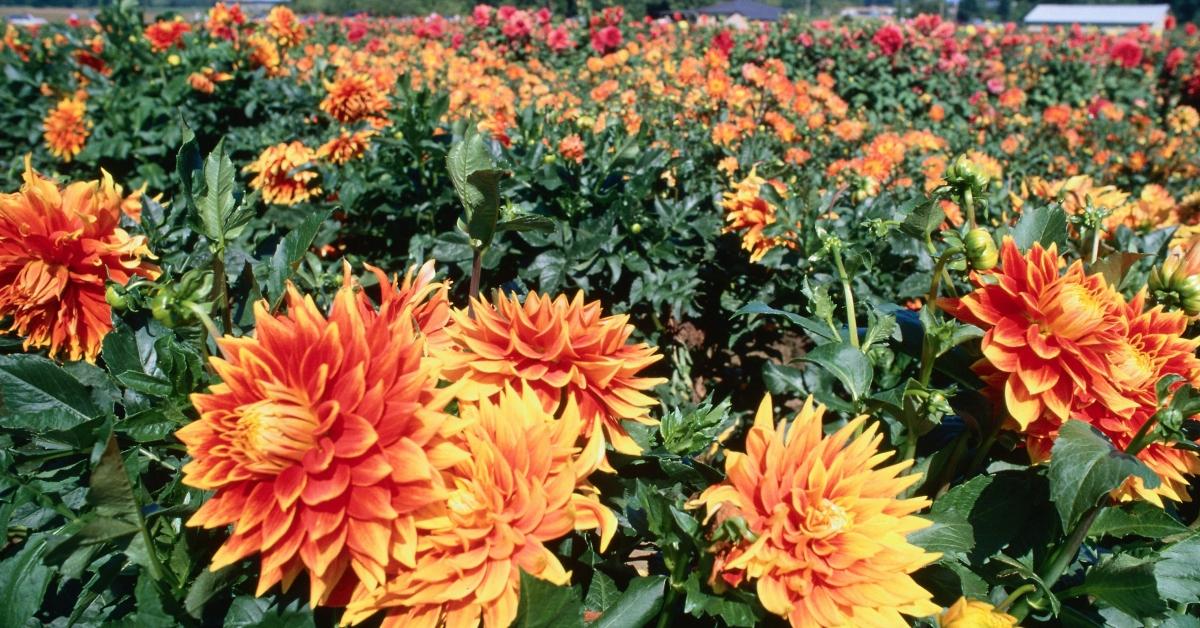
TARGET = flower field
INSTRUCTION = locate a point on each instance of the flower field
(513, 319)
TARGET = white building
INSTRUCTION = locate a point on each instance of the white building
(1114, 17)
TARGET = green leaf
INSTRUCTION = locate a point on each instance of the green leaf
(994, 506)
(205, 587)
(1047, 225)
(818, 330)
(477, 182)
(1136, 519)
(847, 364)
(188, 161)
(218, 208)
(882, 327)
(700, 603)
(637, 606)
(146, 384)
(692, 431)
(40, 396)
(602, 593)
(23, 583)
(256, 612)
(1126, 583)
(923, 219)
(1084, 467)
(546, 605)
(1178, 571)
(290, 252)
(526, 222)
(949, 534)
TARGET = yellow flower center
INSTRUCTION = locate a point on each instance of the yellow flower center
(1076, 312)
(826, 519)
(275, 434)
(1135, 365)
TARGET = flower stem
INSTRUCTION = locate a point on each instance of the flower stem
(1066, 553)
(1014, 596)
(1095, 245)
(848, 292)
(222, 288)
(969, 202)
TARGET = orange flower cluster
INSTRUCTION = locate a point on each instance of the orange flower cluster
(563, 350)
(331, 452)
(205, 81)
(58, 247)
(66, 128)
(828, 524)
(284, 26)
(355, 97)
(282, 174)
(1066, 345)
(748, 213)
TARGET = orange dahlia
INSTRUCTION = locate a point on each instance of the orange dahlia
(58, 247)
(561, 349)
(323, 440)
(523, 485)
(748, 213)
(284, 26)
(265, 54)
(354, 97)
(1047, 337)
(66, 128)
(1153, 346)
(829, 527)
(968, 613)
(167, 34)
(346, 146)
(283, 174)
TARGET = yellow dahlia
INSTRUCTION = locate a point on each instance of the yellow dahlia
(66, 128)
(1047, 337)
(561, 349)
(967, 613)
(1077, 192)
(829, 526)
(58, 247)
(523, 485)
(324, 438)
(283, 173)
(354, 97)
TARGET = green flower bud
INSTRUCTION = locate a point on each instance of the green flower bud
(114, 295)
(981, 249)
(635, 228)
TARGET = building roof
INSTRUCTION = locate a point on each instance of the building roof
(748, 9)
(1102, 14)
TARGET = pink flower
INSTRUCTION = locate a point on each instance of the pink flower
(1127, 52)
(559, 40)
(606, 39)
(482, 15)
(518, 25)
(889, 38)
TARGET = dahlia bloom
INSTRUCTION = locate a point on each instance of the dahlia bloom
(829, 546)
(223, 21)
(1153, 347)
(354, 97)
(284, 26)
(282, 173)
(167, 34)
(561, 349)
(66, 128)
(324, 439)
(1047, 337)
(522, 486)
(58, 247)
(889, 39)
(346, 146)
(748, 213)
(967, 613)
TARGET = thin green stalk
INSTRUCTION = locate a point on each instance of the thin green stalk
(476, 271)
(222, 288)
(1140, 441)
(1014, 596)
(1066, 553)
(848, 293)
(1095, 245)
(969, 202)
